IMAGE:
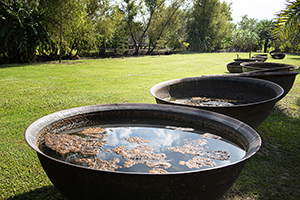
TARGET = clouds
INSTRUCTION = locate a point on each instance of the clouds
(258, 9)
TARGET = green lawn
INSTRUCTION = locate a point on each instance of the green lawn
(30, 91)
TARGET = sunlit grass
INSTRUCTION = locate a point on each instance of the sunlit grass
(30, 91)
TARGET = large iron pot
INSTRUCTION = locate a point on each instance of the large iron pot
(77, 182)
(234, 67)
(262, 57)
(278, 55)
(254, 66)
(261, 95)
(283, 78)
(246, 60)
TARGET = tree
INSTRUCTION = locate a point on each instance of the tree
(223, 24)
(107, 20)
(148, 10)
(177, 35)
(287, 24)
(22, 33)
(265, 33)
(245, 40)
(209, 23)
(245, 36)
(75, 32)
(247, 23)
(130, 11)
(81, 26)
(165, 25)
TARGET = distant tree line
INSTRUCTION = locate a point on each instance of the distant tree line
(67, 28)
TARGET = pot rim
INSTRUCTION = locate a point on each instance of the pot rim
(37, 126)
(231, 62)
(174, 81)
(255, 73)
(266, 72)
(255, 65)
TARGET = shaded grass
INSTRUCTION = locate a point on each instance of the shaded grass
(30, 91)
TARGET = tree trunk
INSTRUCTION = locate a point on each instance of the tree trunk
(265, 46)
(153, 47)
(137, 47)
(149, 47)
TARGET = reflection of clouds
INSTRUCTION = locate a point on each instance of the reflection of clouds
(125, 132)
(160, 138)
(104, 156)
(164, 138)
(116, 136)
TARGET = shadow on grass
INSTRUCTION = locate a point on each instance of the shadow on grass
(44, 193)
(274, 172)
(64, 62)
(298, 102)
(295, 58)
(14, 65)
(296, 54)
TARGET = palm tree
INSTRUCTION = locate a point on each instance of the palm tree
(287, 25)
(265, 32)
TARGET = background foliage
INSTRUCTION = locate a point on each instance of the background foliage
(32, 29)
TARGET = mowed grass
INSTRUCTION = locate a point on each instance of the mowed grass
(30, 91)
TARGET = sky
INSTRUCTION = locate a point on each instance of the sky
(258, 9)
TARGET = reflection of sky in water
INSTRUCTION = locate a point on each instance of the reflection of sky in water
(163, 138)
(160, 138)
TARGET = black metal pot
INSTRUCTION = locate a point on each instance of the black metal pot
(261, 95)
(275, 51)
(246, 60)
(283, 78)
(234, 67)
(278, 55)
(254, 66)
(262, 57)
(77, 182)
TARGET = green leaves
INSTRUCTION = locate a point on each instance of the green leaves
(287, 25)
(3, 31)
(22, 33)
(251, 34)
(209, 23)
